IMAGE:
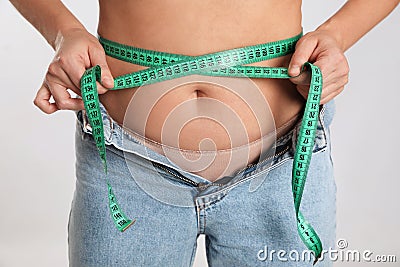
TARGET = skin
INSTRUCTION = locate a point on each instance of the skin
(195, 28)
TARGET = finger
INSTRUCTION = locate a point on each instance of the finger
(62, 72)
(68, 71)
(332, 89)
(329, 77)
(74, 75)
(304, 90)
(63, 99)
(303, 79)
(61, 76)
(304, 50)
(334, 71)
(98, 57)
(332, 95)
(42, 100)
(326, 92)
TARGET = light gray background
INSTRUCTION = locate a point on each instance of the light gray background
(37, 157)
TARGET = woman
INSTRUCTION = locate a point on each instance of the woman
(237, 218)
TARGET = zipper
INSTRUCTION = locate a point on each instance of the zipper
(186, 180)
(177, 175)
(268, 158)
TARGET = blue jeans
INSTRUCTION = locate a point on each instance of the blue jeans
(242, 221)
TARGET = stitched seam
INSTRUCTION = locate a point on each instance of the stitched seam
(204, 219)
(212, 201)
(198, 216)
(192, 257)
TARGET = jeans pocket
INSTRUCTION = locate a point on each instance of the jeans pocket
(321, 136)
(80, 129)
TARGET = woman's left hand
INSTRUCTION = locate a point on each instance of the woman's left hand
(321, 49)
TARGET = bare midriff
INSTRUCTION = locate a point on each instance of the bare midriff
(195, 28)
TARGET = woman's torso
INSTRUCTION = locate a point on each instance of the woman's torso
(196, 28)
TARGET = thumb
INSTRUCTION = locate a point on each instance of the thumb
(304, 49)
(98, 57)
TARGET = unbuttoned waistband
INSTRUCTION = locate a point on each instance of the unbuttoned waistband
(125, 141)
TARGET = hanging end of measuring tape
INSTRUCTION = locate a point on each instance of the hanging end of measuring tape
(309, 237)
(316, 259)
(92, 107)
(302, 158)
(120, 220)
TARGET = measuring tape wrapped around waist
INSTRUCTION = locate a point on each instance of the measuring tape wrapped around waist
(166, 66)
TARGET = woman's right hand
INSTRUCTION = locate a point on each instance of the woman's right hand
(76, 51)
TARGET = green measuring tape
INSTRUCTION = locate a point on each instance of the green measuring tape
(166, 66)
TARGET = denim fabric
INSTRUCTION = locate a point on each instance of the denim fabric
(243, 217)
